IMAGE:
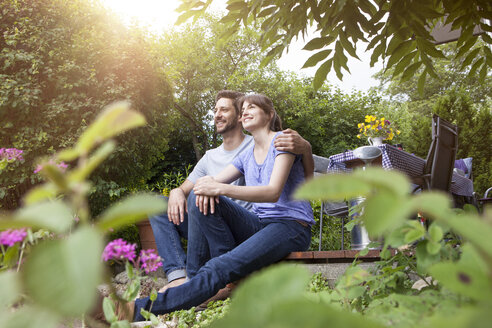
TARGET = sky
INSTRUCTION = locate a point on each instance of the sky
(158, 15)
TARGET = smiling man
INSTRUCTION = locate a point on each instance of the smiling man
(170, 227)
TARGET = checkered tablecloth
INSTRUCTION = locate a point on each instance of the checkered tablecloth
(394, 158)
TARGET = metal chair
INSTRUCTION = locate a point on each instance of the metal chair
(438, 170)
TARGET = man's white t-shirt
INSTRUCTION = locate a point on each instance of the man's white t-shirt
(217, 159)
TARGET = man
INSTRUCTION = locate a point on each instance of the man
(168, 229)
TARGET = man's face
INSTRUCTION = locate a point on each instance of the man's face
(225, 116)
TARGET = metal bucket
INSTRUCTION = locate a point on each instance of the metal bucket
(360, 237)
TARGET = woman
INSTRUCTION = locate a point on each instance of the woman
(240, 241)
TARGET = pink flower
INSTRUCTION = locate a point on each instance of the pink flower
(11, 154)
(10, 237)
(119, 249)
(62, 166)
(150, 260)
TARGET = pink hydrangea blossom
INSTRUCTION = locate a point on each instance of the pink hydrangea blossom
(11, 236)
(150, 260)
(119, 249)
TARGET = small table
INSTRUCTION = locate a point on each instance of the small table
(394, 158)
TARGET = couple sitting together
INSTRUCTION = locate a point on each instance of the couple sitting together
(235, 208)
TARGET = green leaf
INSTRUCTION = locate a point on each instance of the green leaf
(132, 289)
(434, 204)
(472, 228)
(483, 73)
(94, 161)
(400, 51)
(378, 51)
(68, 155)
(433, 247)
(63, 275)
(475, 66)
(121, 324)
(109, 310)
(469, 58)
(10, 258)
(425, 259)
(321, 74)
(468, 277)
(31, 316)
(41, 193)
(317, 57)
(274, 285)
(266, 12)
(410, 71)
(421, 82)
(131, 210)
(435, 232)
(396, 237)
(384, 212)
(113, 120)
(342, 37)
(10, 288)
(317, 43)
(404, 62)
(53, 173)
(391, 180)
(333, 187)
(414, 234)
(55, 216)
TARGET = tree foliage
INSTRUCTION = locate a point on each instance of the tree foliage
(198, 65)
(61, 63)
(398, 31)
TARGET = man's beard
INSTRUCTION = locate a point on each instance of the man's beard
(227, 127)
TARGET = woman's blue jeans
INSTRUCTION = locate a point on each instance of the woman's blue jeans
(239, 244)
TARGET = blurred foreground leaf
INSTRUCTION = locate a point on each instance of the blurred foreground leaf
(131, 210)
(62, 275)
(30, 316)
(468, 276)
(55, 216)
(275, 297)
(9, 288)
(113, 120)
(333, 187)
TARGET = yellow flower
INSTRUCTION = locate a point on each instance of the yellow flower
(382, 121)
(398, 132)
(358, 136)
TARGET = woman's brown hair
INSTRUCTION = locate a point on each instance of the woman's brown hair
(266, 105)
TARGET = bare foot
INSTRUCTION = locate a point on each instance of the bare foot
(174, 283)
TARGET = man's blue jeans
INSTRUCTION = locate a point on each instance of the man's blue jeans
(247, 243)
(175, 262)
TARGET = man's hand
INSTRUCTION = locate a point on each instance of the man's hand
(207, 191)
(292, 142)
(176, 206)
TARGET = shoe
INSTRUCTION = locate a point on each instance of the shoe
(221, 295)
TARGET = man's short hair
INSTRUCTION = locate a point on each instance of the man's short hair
(230, 94)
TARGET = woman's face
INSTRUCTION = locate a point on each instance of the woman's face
(253, 117)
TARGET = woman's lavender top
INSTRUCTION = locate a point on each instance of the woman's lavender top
(259, 175)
